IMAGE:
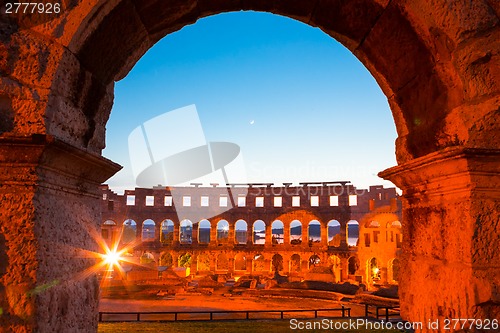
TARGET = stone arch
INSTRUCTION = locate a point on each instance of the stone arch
(203, 262)
(314, 232)
(277, 232)
(108, 232)
(166, 259)
(222, 232)
(148, 233)
(240, 262)
(438, 65)
(314, 260)
(352, 233)
(222, 262)
(352, 265)
(184, 260)
(277, 262)
(295, 263)
(373, 270)
(394, 269)
(186, 231)
(129, 231)
(333, 229)
(241, 232)
(259, 263)
(204, 230)
(167, 232)
(259, 232)
(296, 232)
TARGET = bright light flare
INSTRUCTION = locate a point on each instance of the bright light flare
(112, 258)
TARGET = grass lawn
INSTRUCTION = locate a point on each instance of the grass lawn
(218, 327)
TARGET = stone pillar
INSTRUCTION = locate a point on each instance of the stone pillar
(231, 233)
(193, 268)
(324, 235)
(344, 266)
(249, 263)
(286, 233)
(194, 236)
(268, 235)
(249, 234)
(305, 236)
(50, 220)
(286, 264)
(451, 205)
(177, 231)
(343, 234)
(213, 234)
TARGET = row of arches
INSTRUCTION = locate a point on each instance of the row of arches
(256, 262)
(259, 262)
(240, 232)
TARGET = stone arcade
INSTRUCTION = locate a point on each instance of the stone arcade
(436, 61)
(286, 228)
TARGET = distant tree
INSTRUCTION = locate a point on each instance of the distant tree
(185, 260)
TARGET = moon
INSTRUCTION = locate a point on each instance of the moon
(252, 122)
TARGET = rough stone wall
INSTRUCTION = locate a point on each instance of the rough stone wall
(385, 249)
(48, 223)
(449, 263)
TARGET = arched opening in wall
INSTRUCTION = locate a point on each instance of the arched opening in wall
(314, 261)
(373, 270)
(394, 270)
(222, 232)
(186, 232)
(396, 234)
(129, 231)
(240, 262)
(277, 263)
(167, 232)
(259, 263)
(259, 232)
(353, 265)
(277, 233)
(203, 263)
(295, 263)
(295, 232)
(335, 265)
(222, 263)
(204, 229)
(108, 232)
(148, 230)
(241, 232)
(333, 228)
(352, 233)
(314, 232)
(165, 259)
(184, 260)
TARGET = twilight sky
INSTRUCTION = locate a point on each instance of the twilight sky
(300, 105)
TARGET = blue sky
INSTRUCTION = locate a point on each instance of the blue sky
(299, 104)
